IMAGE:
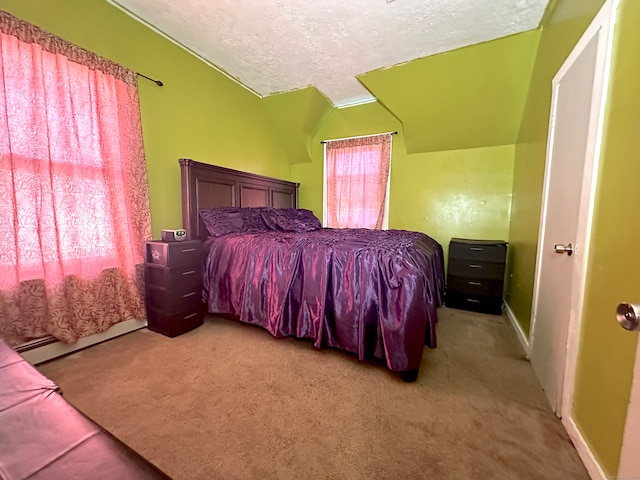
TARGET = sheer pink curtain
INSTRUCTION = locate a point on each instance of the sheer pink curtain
(74, 209)
(357, 172)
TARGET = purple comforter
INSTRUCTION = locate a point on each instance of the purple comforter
(370, 292)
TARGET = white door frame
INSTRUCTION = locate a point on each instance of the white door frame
(603, 25)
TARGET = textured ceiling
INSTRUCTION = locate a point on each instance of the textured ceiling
(273, 46)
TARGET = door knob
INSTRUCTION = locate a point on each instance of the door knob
(628, 316)
(560, 248)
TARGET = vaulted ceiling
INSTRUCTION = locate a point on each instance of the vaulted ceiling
(275, 46)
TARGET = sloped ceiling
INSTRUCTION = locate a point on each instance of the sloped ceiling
(275, 46)
(296, 115)
(468, 98)
(455, 73)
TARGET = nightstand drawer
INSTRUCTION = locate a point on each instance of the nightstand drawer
(475, 275)
(174, 254)
(482, 250)
(476, 269)
(476, 303)
(176, 324)
(174, 279)
(475, 286)
(172, 302)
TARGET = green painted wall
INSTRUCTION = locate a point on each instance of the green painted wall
(464, 110)
(463, 193)
(607, 352)
(199, 113)
(297, 115)
(452, 191)
(466, 98)
(561, 31)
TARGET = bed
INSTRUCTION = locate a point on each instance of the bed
(271, 264)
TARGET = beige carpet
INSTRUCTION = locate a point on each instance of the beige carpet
(229, 401)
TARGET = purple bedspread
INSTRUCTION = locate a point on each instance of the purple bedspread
(370, 292)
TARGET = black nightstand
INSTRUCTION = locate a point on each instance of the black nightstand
(475, 275)
(173, 273)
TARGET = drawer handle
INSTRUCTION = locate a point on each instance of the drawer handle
(190, 316)
(188, 294)
(477, 284)
(472, 300)
(476, 249)
(473, 265)
(188, 250)
(190, 272)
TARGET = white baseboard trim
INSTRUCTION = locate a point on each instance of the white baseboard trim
(586, 455)
(522, 337)
(584, 452)
(57, 349)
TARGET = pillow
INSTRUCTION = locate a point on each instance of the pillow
(227, 221)
(290, 220)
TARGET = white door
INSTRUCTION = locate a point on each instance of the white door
(572, 156)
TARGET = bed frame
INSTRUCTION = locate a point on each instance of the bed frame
(210, 186)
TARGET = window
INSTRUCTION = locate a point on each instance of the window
(356, 182)
(74, 208)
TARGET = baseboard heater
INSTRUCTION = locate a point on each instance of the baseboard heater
(40, 342)
(47, 348)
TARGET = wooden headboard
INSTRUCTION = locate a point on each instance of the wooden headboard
(209, 186)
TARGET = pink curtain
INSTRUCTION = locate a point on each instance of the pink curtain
(74, 209)
(357, 172)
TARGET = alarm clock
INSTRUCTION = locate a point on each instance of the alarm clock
(174, 235)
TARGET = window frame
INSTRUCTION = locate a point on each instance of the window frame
(325, 210)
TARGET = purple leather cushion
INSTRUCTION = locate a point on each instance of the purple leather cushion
(291, 220)
(227, 221)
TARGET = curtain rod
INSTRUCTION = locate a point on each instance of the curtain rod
(157, 82)
(361, 136)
